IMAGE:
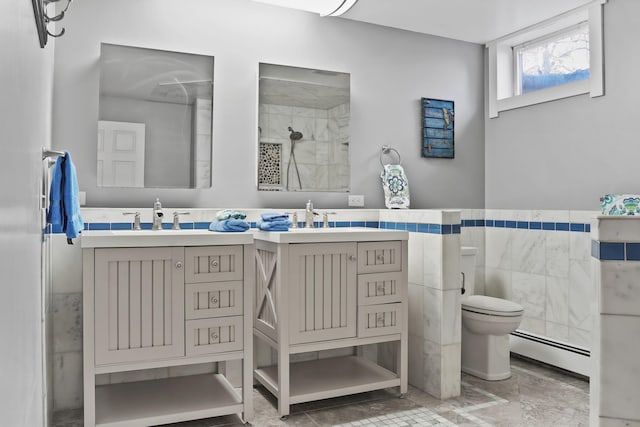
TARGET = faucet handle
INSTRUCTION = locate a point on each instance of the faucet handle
(294, 219)
(136, 219)
(325, 218)
(176, 219)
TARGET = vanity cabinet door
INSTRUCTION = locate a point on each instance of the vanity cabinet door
(322, 285)
(139, 304)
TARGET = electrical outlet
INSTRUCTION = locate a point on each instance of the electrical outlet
(356, 201)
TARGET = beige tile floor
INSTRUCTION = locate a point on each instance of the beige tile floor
(535, 396)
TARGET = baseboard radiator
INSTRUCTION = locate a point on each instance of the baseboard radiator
(551, 352)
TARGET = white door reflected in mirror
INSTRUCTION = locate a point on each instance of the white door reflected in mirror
(120, 154)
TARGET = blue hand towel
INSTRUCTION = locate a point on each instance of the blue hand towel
(64, 207)
(281, 225)
(274, 216)
(229, 225)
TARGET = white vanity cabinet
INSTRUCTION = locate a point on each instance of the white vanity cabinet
(329, 289)
(166, 300)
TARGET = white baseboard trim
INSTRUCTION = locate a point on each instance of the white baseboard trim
(563, 356)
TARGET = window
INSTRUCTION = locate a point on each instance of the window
(555, 59)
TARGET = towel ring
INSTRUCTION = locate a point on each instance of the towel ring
(386, 149)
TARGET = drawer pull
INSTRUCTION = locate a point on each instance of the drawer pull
(380, 320)
(178, 264)
(380, 257)
(352, 258)
(380, 289)
(214, 263)
(214, 336)
(214, 300)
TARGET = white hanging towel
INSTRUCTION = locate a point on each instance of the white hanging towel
(395, 186)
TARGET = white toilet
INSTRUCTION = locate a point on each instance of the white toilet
(486, 325)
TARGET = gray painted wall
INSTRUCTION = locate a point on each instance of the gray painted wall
(566, 154)
(25, 119)
(390, 71)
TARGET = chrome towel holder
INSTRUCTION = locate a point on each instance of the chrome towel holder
(386, 150)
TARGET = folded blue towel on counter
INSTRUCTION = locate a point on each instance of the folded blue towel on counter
(274, 216)
(281, 225)
(229, 225)
(230, 214)
(64, 202)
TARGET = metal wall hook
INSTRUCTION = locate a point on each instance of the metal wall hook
(54, 18)
(43, 19)
(56, 35)
(47, 2)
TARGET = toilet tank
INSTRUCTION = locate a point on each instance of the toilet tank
(468, 267)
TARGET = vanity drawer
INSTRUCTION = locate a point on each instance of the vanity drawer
(212, 264)
(381, 319)
(379, 288)
(216, 335)
(216, 299)
(379, 257)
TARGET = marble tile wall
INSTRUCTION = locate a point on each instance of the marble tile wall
(434, 298)
(615, 384)
(322, 153)
(541, 260)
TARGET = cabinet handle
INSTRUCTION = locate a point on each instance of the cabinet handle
(214, 263)
(214, 300)
(179, 264)
(352, 258)
(380, 257)
(214, 336)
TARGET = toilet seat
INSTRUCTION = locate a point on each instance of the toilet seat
(491, 306)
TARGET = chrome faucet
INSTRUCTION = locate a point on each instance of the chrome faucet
(309, 213)
(157, 215)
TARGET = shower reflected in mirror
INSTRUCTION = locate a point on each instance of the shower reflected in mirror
(303, 129)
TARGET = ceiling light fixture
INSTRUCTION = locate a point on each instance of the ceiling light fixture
(321, 7)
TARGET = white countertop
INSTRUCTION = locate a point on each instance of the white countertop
(338, 234)
(149, 238)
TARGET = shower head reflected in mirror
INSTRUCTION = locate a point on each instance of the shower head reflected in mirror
(294, 135)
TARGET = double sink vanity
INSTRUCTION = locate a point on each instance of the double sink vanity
(180, 298)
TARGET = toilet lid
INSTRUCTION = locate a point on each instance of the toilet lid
(492, 306)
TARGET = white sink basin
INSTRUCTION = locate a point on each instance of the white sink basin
(146, 238)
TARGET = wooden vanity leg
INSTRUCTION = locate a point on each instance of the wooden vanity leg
(89, 378)
(248, 365)
(282, 285)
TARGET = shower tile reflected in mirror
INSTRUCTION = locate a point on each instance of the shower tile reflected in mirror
(155, 118)
(303, 129)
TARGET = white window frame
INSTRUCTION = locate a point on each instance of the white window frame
(501, 68)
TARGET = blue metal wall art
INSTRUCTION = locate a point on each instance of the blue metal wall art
(437, 128)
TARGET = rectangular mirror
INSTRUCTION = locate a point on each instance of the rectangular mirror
(155, 118)
(303, 129)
